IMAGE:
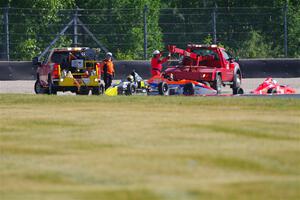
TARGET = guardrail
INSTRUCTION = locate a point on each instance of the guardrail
(251, 68)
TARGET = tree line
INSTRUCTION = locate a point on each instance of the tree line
(118, 24)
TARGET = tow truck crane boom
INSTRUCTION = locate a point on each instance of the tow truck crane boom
(195, 57)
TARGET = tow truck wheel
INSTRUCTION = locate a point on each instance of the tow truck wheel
(217, 84)
(163, 88)
(189, 89)
(237, 91)
(237, 80)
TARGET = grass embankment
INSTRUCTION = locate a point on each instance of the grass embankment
(78, 147)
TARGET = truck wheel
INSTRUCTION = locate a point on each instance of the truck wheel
(83, 91)
(163, 88)
(237, 80)
(189, 89)
(38, 88)
(237, 91)
(130, 89)
(217, 84)
(98, 90)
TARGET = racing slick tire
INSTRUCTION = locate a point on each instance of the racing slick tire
(237, 91)
(189, 89)
(272, 91)
(130, 90)
(163, 88)
(217, 84)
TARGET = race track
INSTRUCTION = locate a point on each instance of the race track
(26, 87)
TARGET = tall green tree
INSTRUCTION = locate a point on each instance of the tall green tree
(32, 29)
(239, 23)
(119, 25)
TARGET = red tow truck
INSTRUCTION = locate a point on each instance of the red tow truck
(209, 64)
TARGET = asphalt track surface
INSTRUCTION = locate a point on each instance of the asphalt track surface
(26, 87)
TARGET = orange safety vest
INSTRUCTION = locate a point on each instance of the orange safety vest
(107, 66)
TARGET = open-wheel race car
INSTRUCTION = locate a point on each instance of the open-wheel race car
(134, 84)
(69, 69)
(271, 86)
(159, 85)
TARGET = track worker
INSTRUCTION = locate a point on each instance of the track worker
(156, 63)
(107, 68)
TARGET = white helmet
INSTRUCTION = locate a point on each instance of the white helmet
(108, 54)
(156, 52)
(130, 78)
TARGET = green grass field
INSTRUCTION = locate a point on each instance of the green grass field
(118, 148)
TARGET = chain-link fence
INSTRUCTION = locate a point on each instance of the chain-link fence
(133, 34)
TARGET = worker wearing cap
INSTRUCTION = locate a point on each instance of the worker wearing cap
(156, 63)
(107, 68)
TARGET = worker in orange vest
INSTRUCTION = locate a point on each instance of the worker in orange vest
(107, 69)
(156, 63)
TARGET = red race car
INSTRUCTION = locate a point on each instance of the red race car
(271, 86)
